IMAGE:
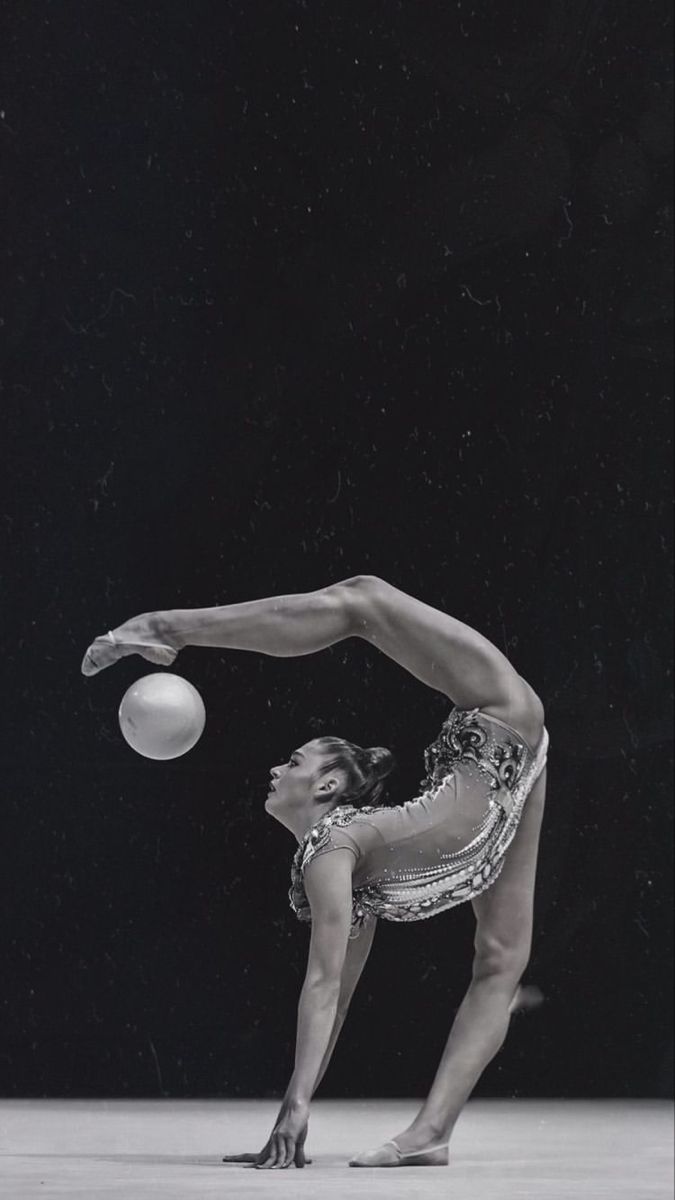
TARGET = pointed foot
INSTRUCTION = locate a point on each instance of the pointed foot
(107, 649)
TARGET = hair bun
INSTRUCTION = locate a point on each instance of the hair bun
(380, 761)
(365, 770)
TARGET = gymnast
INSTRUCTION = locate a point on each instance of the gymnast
(472, 834)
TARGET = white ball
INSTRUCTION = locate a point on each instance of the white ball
(162, 716)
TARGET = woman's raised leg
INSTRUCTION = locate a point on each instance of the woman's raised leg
(438, 649)
(283, 626)
(446, 654)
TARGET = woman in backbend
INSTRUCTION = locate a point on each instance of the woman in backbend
(471, 835)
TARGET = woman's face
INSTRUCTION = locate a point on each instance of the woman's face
(296, 784)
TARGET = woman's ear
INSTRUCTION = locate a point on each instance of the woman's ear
(328, 787)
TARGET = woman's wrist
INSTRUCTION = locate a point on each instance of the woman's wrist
(295, 1101)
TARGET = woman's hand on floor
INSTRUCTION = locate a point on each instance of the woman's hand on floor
(286, 1144)
(300, 1160)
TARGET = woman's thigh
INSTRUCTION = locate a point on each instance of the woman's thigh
(438, 649)
(504, 913)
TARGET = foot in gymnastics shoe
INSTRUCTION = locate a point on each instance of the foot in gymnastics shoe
(107, 649)
(390, 1155)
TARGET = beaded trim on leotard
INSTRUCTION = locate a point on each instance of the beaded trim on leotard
(510, 768)
(315, 839)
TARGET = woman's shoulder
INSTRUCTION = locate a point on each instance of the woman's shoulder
(316, 839)
(324, 831)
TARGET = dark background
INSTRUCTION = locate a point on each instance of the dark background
(293, 292)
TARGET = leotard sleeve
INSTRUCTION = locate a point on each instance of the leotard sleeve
(322, 838)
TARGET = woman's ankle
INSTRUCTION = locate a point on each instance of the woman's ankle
(150, 628)
(432, 1131)
(164, 628)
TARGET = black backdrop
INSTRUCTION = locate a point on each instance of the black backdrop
(296, 292)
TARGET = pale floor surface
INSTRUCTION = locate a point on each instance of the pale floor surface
(501, 1150)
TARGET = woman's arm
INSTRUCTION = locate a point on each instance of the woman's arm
(355, 960)
(317, 1013)
(328, 885)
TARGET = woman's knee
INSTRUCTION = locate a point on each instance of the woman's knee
(359, 597)
(496, 956)
(362, 586)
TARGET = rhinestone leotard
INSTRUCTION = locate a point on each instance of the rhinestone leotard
(446, 846)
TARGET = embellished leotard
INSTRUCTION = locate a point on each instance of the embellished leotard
(446, 846)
